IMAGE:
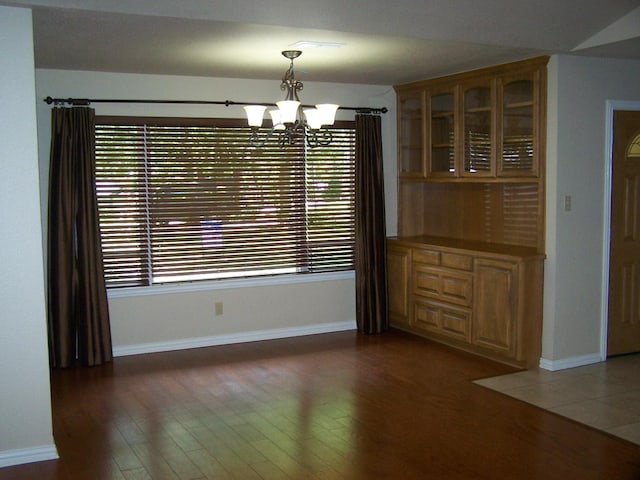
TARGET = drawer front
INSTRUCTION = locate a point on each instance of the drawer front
(426, 316)
(443, 284)
(431, 257)
(426, 281)
(456, 322)
(442, 319)
(454, 260)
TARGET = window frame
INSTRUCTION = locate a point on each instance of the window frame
(219, 283)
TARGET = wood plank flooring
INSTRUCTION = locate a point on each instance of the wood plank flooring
(335, 406)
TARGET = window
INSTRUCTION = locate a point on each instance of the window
(189, 199)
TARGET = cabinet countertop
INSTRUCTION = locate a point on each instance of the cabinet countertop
(454, 244)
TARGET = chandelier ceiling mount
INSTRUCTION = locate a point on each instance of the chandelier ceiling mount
(289, 120)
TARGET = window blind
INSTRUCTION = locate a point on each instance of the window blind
(185, 200)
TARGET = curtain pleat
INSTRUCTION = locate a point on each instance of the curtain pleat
(78, 313)
(370, 243)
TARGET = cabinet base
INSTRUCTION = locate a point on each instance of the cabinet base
(465, 347)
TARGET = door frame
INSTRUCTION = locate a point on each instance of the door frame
(612, 106)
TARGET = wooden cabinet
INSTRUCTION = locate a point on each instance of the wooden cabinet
(484, 298)
(466, 267)
(483, 125)
(471, 155)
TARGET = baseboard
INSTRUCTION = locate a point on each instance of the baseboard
(28, 455)
(570, 362)
(229, 339)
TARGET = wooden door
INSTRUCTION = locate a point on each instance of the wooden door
(624, 256)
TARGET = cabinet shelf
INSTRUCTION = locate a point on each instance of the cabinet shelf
(511, 105)
(522, 139)
(477, 110)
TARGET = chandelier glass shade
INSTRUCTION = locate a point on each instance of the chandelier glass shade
(290, 120)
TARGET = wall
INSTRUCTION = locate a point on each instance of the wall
(25, 400)
(577, 93)
(579, 88)
(155, 319)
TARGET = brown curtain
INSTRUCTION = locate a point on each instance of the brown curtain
(78, 314)
(370, 245)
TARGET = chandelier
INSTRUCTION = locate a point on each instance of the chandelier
(290, 120)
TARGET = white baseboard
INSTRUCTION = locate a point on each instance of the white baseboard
(570, 362)
(256, 335)
(28, 455)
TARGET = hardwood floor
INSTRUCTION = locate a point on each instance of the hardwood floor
(335, 406)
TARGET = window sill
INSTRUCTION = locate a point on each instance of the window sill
(202, 286)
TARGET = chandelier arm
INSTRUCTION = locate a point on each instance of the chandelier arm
(255, 140)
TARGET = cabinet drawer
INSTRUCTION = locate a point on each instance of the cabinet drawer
(442, 318)
(432, 257)
(443, 284)
(454, 260)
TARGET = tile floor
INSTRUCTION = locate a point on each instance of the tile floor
(603, 395)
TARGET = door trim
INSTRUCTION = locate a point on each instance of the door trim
(612, 105)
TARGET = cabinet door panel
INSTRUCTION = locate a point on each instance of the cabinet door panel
(495, 296)
(518, 97)
(441, 150)
(478, 130)
(411, 135)
(398, 267)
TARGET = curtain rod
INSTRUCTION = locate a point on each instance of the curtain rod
(227, 103)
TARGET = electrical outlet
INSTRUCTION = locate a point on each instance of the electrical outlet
(218, 308)
(567, 203)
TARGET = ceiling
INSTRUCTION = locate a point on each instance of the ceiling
(380, 42)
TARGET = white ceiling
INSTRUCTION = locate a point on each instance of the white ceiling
(383, 42)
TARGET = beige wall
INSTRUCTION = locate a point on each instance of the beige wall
(579, 88)
(25, 401)
(575, 166)
(167, 318)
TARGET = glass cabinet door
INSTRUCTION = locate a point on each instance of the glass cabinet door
(410, 135)
(478, 131)
(516, 151)
(442, 135)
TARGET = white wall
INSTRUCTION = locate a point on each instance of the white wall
(25, 400)
(166, 318)
(579, 88)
